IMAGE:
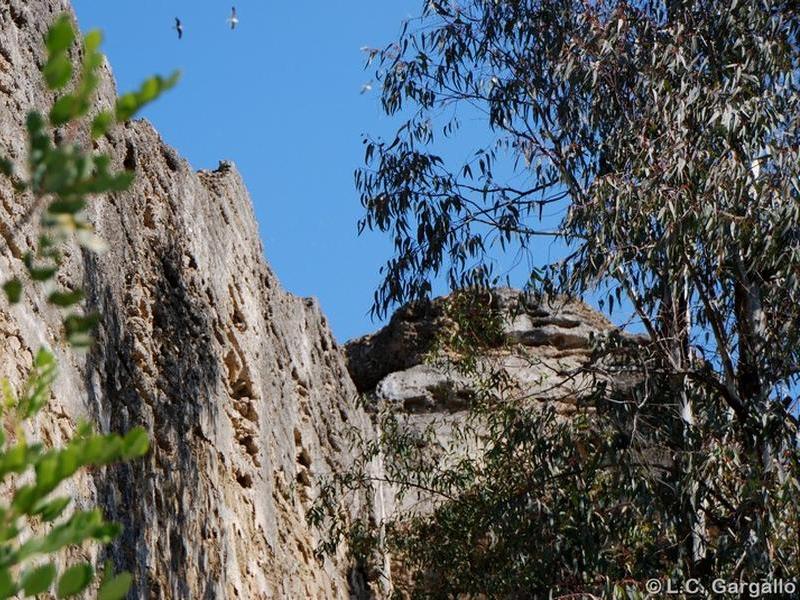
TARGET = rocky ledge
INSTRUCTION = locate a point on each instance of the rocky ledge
(540, 341)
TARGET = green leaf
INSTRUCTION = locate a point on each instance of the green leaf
(115, 588)
(63, 110)
(37, 389)
(78, 328)
(24, 498)
(42, 273)
(34, 123)
(50, 510)
(45, 360)
(60, 36)
(81, 324)
(6, 167)
(7, 586)
(9, 397)
(67, 108)
(102, 450)
(135, 443)
(13, 290)
(8, 533)
(106, 532)
(58, 71)
(38, 580)
(132, 102)
(127, 106)
(47, 473)
(93, 40)
(75, 580)
(68, 461)
(105, 182)
(65, 299)
(14, 459)
(101, 124)
(66, 206)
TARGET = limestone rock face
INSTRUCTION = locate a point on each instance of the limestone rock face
(241, 384)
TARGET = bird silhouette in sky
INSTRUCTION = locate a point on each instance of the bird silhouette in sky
(179, 28)
(233, 20)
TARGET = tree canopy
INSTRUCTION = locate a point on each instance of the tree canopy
(668, 134)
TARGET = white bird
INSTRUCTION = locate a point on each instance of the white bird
(233, 20)
(178, 27)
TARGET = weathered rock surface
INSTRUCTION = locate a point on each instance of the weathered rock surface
(241, 385)
(543, 342)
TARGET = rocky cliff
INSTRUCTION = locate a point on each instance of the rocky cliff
(241, 384)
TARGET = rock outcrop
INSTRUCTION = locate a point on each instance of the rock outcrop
(241, 384)
(541, 342)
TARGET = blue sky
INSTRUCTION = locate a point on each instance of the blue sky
(280, 97)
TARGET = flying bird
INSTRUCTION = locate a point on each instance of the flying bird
(233, 19)
(179, 28)
(367, 87)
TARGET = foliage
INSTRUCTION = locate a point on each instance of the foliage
(521, 503)
(33, 502)
(472, 325)
(36, 526)
(668, 136)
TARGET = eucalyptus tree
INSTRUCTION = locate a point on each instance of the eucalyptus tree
(667, 134)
